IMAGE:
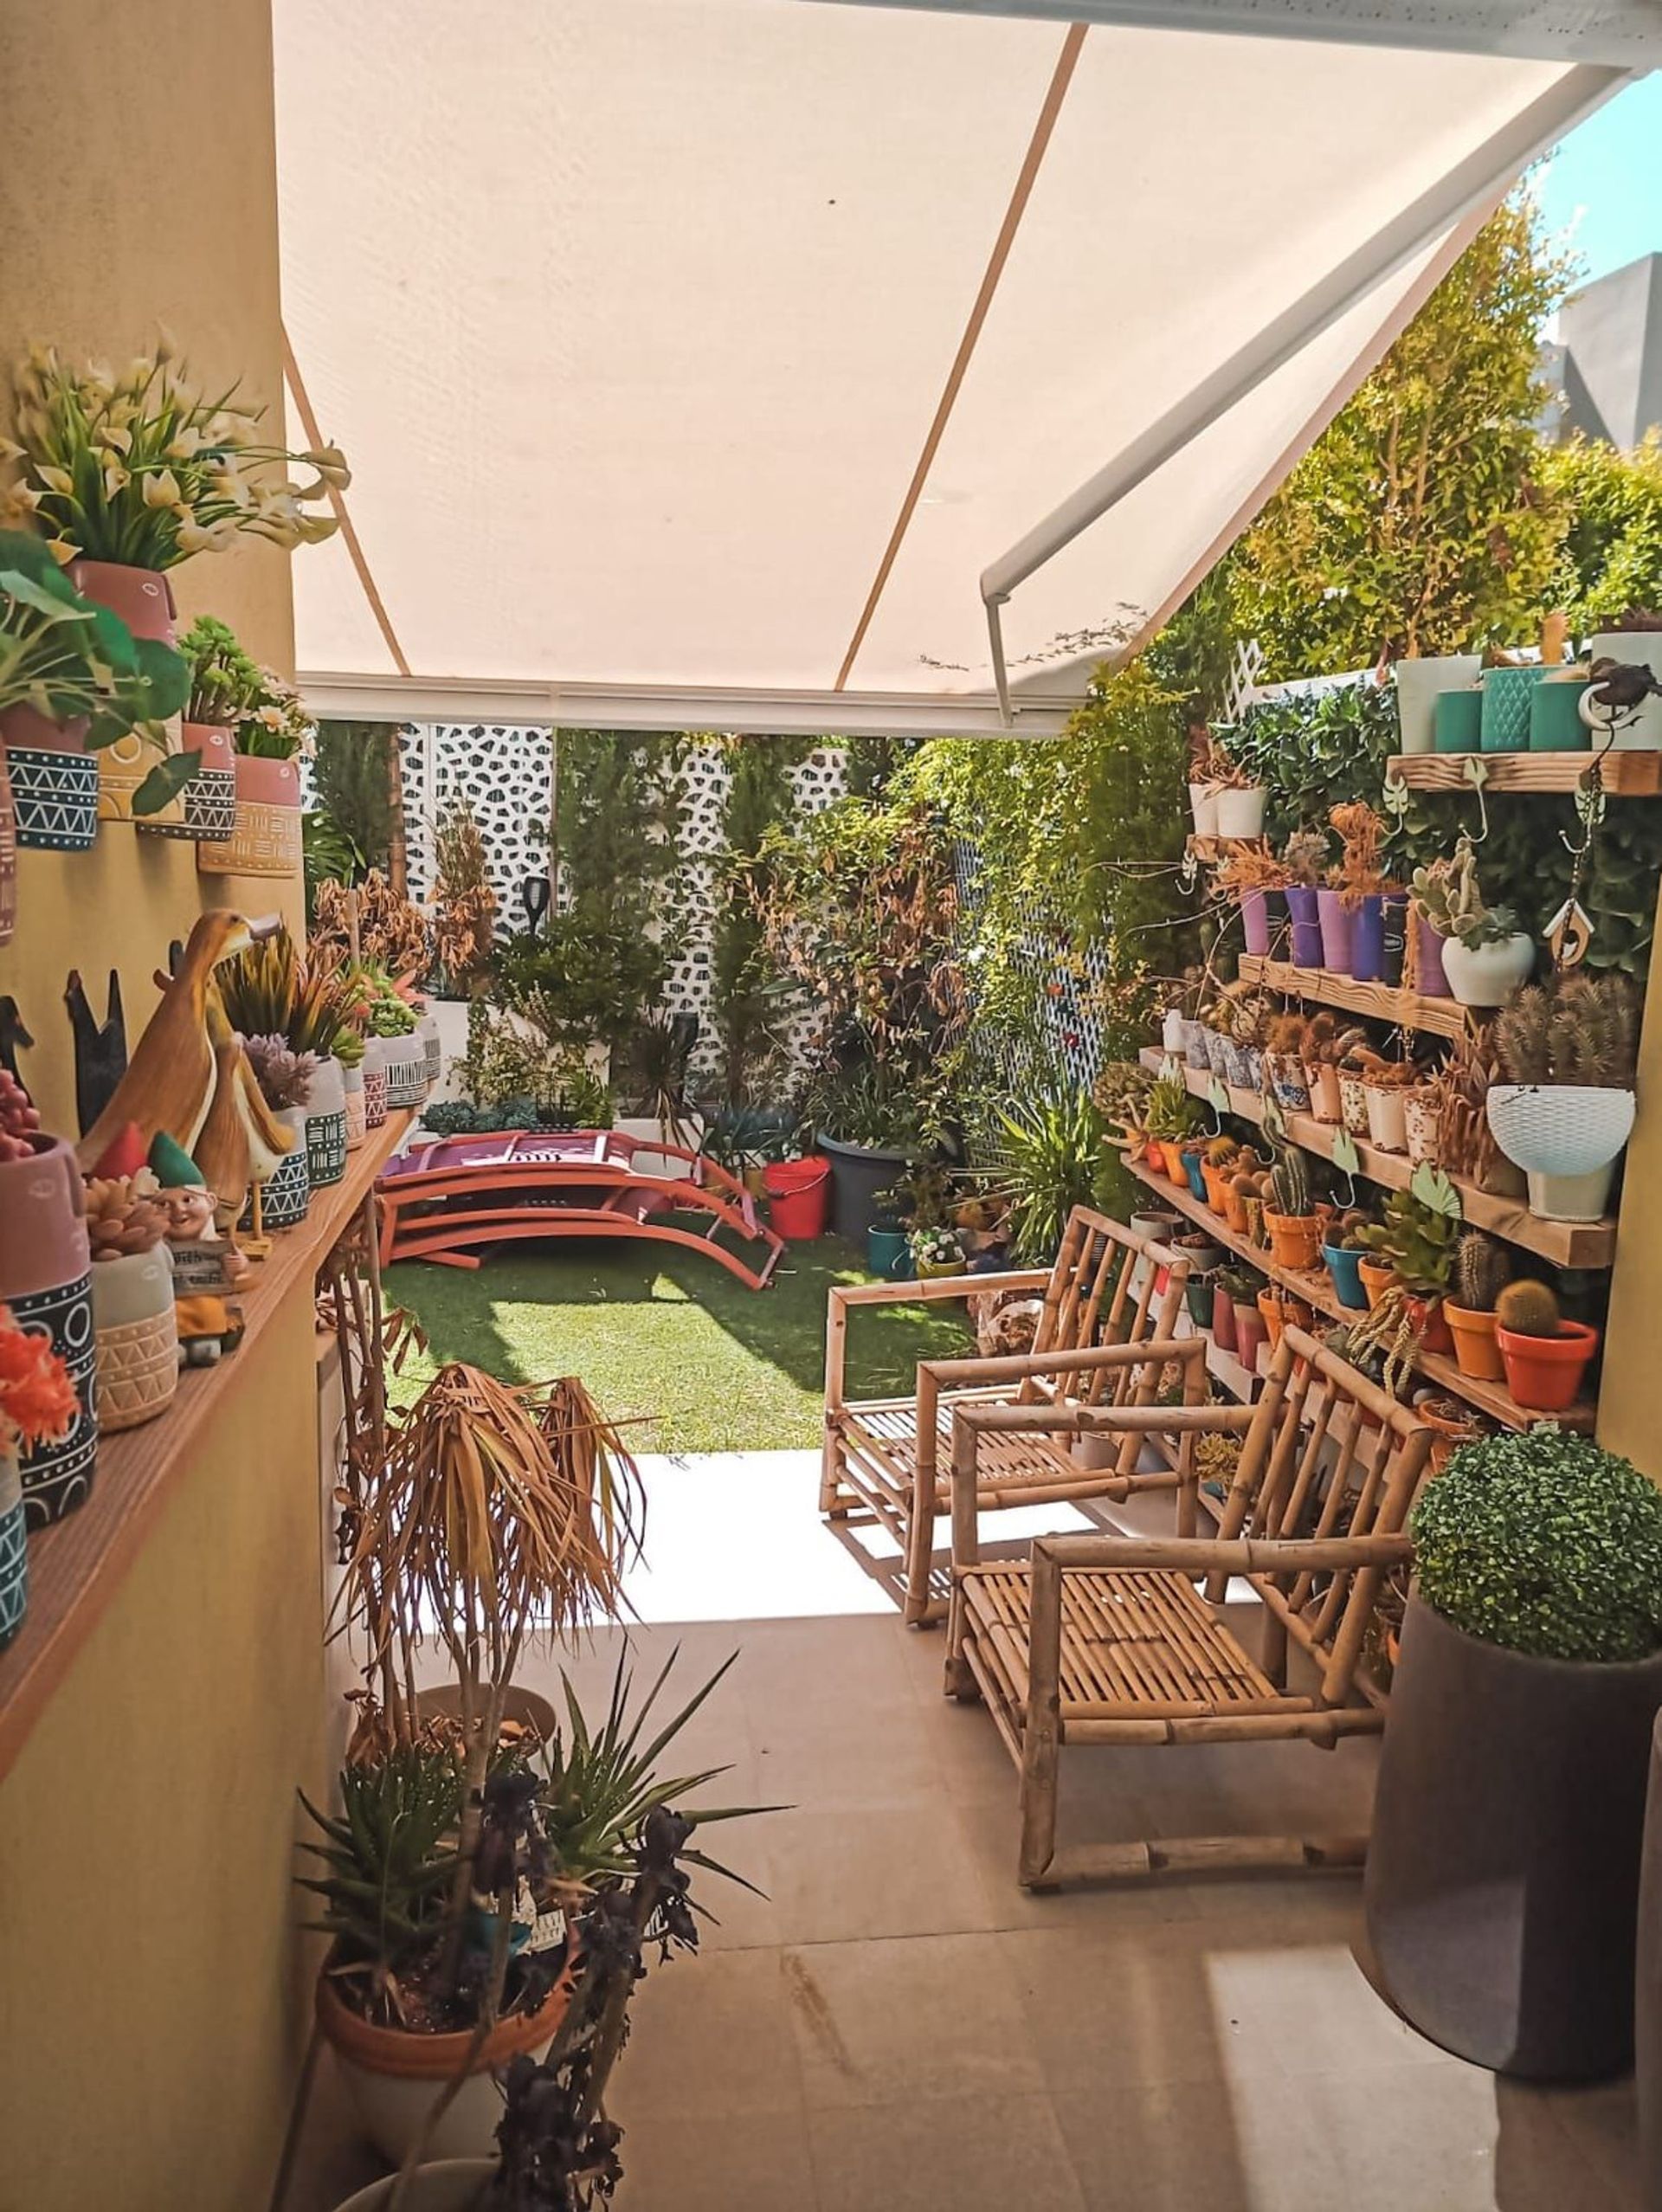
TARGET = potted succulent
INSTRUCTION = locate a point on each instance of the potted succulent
(937, 1251)
(1452, 1422)
(38, 1406)
(269, 990)
(1326, 1044)
(1289, 1215)
(1544, 1355)
(1502, 1872)
(1422, 1119)
(285, 1078)
(1566, 1108)
(1483, 1268)
(1284, 1062)
(274, 730)
(1218, 1156)
(133, 1313)
(45, 1283)
(1170, 1118)
(1485, 955)
(1386, 1086)
(1418, 1241)
(1344, 1249)
(226, 685)
(1304, 859)
(349, 1057)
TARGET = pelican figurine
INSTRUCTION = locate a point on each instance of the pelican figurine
(240, 1140)
(168, 1083)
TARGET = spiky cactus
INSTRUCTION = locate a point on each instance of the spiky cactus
(1482, 1270)
(1528, 1309)
(1290, 1180)
(1582, 1031)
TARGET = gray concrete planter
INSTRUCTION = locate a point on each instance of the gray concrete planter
(858, 1173)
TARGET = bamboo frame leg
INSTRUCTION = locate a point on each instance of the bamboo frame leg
(833, 1503)
(920, 1526)
(1041, 1738)
(1273, 1653)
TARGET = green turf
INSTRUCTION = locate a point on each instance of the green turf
(666, 1333)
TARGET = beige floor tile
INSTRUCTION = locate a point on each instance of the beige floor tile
(710, 2038)
(847, 1759)
(980, 2154)
(798, 1673)
(886, 2023)
(886, 1870)
(1600, 2123)
(993, 1831)
(1202, 2147)
(1309, 2005)
(760, 2163)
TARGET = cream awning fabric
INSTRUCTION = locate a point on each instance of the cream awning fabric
(706, 360)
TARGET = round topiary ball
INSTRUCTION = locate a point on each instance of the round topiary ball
(1546, 1543)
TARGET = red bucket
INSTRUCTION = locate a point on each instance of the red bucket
(799, 1194)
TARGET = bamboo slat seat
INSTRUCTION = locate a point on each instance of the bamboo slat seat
(1105, 1336)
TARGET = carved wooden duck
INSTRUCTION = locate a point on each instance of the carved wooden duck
(241, 1137)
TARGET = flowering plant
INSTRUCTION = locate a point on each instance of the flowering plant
(145, 470)
(935, 1248)
(275, 726)
(37, 1399)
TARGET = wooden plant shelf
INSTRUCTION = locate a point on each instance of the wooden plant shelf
(1316, 1289)
(1625, 775)
(1220, 848)
(1566, 1244)
(76, 1566)
(1439, 1018)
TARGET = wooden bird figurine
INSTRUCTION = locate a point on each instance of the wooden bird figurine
(170, 1079)
(240, 1139)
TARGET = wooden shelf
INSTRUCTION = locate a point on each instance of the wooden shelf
(76, 1566)
(1566, 1244)
(1439, 1017)
(1624, 775)
(1316, 1289)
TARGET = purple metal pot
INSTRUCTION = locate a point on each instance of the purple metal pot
(1429, 979)
(1335, 931)
(1306, 925)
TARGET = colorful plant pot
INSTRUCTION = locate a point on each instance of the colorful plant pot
(1393, 935)
(138, 1337)
(1560, 1130)
(1377, 1278)
(1544, 1373)
(1353, 1102)
(210, 796)
(1192, 1174)
(1556, 724)
(54, 782)
(1326, 1100)
(1304, 912)
(44, 1267)
(1223, 1318)
(887, 1252)
(1457, 722)
(1287, 1081)
(1507, 694)
(142, 596)
(1217, 1054)
(1476, 1352)
(928, 1271)
(1234, 1207)
(433, 1046)
(374, 1071)
(1255, 922)
(1343, 1265)
(1426, 1315)
(1295, 1238)
(1176, 1168)
(1335, 931)
(266, 837)
(1487, 975)
(351, 1082)
(1422, 1118)
(1452, 1424)
(405, 1068)
(1240, 812)
(1250, 1336)
(1216, 1192)
(1368, 939)
(325, 1126)
(286, 1192)
(1237, 1066)
(14, 1550)
(1198, 1297)
(1269, 1307)
(1637, 729)
(1429, 979)
(1418, 686)
(1387, 1127)
(122, 768)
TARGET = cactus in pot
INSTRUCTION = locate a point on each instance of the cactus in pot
(1528, 1308)
(1544, 1355)
(1565, 1109)
(1483, 1268)
(1485, 955)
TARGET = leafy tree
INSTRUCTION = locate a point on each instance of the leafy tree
(1611, 501)
(748, 992)
(1420, 521)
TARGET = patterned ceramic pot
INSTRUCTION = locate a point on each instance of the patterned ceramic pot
(1507, 694)
(325, 1125)
(13, 1551)
(1353, 1103)
(286, 1193)
(374, 1071)
(122, 767)
(8, 854)
(138, 1337)
(433, 1046)
(44, 1265)
(1422, 1115)
(1217, 1054)
(267, 838)
(406, 1069)
(54, 782)
(208, 799)
(352, 1080)
(1418, 684)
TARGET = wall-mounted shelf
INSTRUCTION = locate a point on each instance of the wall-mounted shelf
(1624, 775)
(1316, 1289)
(1566, 1244)
(1438, 1017)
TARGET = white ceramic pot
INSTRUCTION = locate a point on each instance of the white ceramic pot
(1240, 813)
(1642, 732)
(1559, 1129)
(137, 1337)
(1422, 1118)
(1203, 805)
(1572, 1197)
(1487, 975)
(451, 2185)
(1353, 1103)
(1417, 684)
(326, 1123)
(351, 1084)
(1387, 1120)
(374, 1071)
(1171, 1030)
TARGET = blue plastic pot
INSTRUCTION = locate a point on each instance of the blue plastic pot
(1192, 1170)
(888, 1253)
(1345, 1268)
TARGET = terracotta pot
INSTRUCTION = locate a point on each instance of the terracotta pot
(1295, 1238)
(1326, 1100)
(393, 2076)
(1269, 1306)
(142, 596)
(1427, 1316)
(1451, 1425)
(54, 782)
(1544, 1373)
(1376, 1280)
(138, 1345)
(44, 1269)
(210, 796)
(1213, 1177)
(1476, 1352)
(1250, 1336)
(266, 839)
(14, 1550)
(1234, 1209)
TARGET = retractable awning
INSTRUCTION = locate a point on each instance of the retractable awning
(720, 362)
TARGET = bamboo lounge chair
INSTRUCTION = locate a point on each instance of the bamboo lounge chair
(1110, 1310)
(1106, 1640)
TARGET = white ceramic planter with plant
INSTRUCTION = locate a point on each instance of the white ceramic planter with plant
(1486, 958)
(1388, 1118)
(1566, 1109)
(1203, 809)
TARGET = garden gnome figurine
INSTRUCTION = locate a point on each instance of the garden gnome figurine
(204, 1260)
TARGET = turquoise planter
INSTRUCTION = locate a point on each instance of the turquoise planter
(888, 1253)
(1507, 694)
(1556, 724)
(14, 1553)
(1458, 721)
(1197, 1180)
(1345, 1266)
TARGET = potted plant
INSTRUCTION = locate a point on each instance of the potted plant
(1304, 859)
(1238, 796)
(1417, 684)
(1326, 1044)
(1054, 1159)
(138, 1336)
(1452, 1422)
(1544, 1355)
(285, 1079)
(74, 681)
(226, 687)
(1502, 1872)
(269, 990)
(1251, 1335)
(1258, 882)
(1417, 1241)
(349, 1057)
(1170, 1118)
(1566, 1107)
(45, 1282)
(1485, 955)
(1385, 1086)
(1284, 1063)
(937, 1251)
(1345, 1252)
(1483, 1268)
(38, 1406)
(1289, 1215)
(1366, 915)
(1422, 1119)
(274, 730)
(1218, 1156)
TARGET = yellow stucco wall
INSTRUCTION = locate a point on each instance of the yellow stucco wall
(152, 1990)
(1628, 1405)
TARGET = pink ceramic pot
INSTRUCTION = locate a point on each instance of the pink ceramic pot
(44, 1278)
(142, 596)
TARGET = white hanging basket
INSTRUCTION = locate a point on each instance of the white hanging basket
(1556, 1129)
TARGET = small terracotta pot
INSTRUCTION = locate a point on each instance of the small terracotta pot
(143, 598)
(1376, 1280)
(1295, 1238)
(1544, 1373)
(1213, 1179)
(266, 839)
(1252, 1210)
(1476, 1352)
(1234, 1209)
(210, 796)
(1326, 1100)
(1451, 1425)
(1269, 1306)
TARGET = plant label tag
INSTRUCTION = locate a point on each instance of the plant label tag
(1432, 1188)
(1217, 1093)
(1171, 1068)
(1346, 1158)
(1275, 1122)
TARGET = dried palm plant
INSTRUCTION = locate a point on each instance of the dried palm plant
(464, 916)
(371, 921)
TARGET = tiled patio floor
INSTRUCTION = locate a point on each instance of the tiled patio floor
(899, 2026)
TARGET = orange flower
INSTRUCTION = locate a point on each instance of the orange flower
(37, 1399)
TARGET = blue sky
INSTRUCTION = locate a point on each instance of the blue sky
(1603, 185)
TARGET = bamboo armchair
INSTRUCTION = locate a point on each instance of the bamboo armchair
(1105, 1332)
(1106, 1640)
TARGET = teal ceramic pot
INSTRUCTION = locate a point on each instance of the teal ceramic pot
(1192, 1171)
(287, 1192)
(1507, 694)
(1344, 1266)
(888, 1253)
(1556, 724)
(1459, 721)
(13, 1551)
(1200, 1296)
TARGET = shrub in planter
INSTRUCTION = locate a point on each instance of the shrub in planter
(1503, 1876)
(1566, 1108)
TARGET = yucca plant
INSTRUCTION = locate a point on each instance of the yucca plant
(269, 990)
(1053, 1150)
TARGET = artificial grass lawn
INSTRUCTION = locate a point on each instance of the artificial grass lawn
(669, 1334)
